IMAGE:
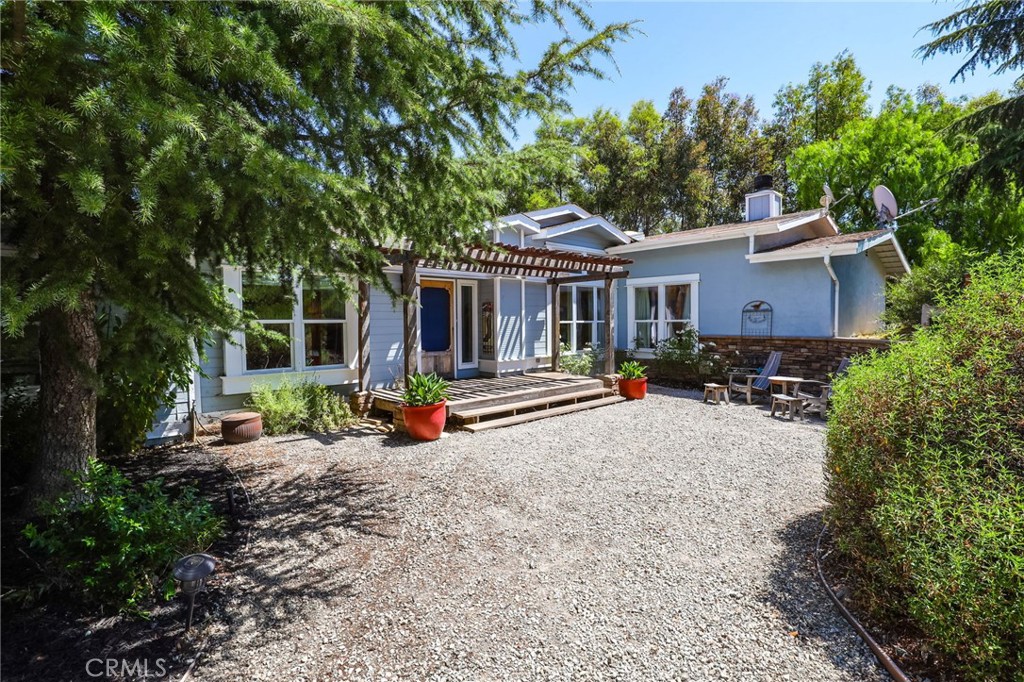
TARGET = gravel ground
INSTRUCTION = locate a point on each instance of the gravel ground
(662, 539)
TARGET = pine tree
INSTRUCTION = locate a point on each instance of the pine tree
(141, 140)
(992, 33)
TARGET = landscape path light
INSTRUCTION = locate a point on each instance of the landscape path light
(191, 573)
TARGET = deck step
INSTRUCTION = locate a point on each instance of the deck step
(475, 413)
(541, 414)
(506, 397)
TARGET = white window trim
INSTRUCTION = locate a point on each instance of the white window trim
(598, 338)
(661, 282)
(237, 379)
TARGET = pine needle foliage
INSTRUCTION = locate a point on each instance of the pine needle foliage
(144, 140)
(992, 35)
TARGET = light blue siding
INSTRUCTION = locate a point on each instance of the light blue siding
(593, 238)
(536, 319)
(509, 321)
(861, 293)
(387, 334)
(509, 236)
(800, 291)
(213, 399)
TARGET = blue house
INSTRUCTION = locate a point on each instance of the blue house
(496, 312)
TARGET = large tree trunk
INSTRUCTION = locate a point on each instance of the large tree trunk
(69, 347)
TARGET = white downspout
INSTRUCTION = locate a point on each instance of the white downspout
(835, 307)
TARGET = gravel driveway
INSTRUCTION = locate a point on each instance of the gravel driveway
(662, 539)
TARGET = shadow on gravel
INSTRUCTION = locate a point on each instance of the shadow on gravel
(795, 591)
(307, 547)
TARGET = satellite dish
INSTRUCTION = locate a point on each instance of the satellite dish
(885, 203)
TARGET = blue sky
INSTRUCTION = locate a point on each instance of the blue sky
(759, 46)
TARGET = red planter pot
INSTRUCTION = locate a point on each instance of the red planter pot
(634, 389)
(427, 422)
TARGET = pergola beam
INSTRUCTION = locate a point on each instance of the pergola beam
(576, 279)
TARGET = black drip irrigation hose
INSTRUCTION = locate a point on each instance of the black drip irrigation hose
(883, 658)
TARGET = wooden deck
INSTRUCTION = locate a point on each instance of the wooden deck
(479, 404)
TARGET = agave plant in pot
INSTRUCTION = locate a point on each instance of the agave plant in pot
(424, 406)
(632, 380)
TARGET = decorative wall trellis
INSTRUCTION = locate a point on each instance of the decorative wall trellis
(756, 319)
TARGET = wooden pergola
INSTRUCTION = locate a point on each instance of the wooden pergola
(557, 267)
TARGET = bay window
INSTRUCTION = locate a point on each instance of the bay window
(660, 307)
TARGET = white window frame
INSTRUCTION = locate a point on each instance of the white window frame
(596, 337)
(693, 280)
(237, 379)
(458, 324)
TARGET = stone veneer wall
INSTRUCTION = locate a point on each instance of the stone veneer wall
(809, 358)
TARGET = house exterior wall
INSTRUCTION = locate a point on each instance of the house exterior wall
(211, 394)
(510, 338)
(536, 319)
(809, 358)
(509, 236)
(587, 239)
(387, 333)
(861, 293)
(800, 292)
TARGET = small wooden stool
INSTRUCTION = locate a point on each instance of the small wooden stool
(717, 392)
(787, 404)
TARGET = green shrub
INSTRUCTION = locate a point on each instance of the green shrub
(925, 475)
(632, 369)
(299, 406)
(940, 275)
(683, 356)
(425, 389)
(581, 363)
(114, 544)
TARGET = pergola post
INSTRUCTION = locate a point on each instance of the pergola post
(410, 306)
(609, 329)
(360, 400)
(556, 338)
(364, 336)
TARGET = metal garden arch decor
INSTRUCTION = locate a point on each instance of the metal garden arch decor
(756, 319)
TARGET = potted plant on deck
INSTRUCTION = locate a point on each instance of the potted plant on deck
(632, 380)
(424, 406)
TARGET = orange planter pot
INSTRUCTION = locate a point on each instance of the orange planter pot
(634, 389)
(427, 422)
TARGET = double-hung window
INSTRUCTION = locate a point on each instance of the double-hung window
(581, 316)
(323, 323)
(307, 323)
(271, 303)
(660, 307)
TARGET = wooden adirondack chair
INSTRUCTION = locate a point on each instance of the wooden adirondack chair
(819, 402)
(751, 384)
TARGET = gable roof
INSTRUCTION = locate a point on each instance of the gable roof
(520, 220)
(731, 231)
(594, 221)
(558, 214)
(889, 252)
